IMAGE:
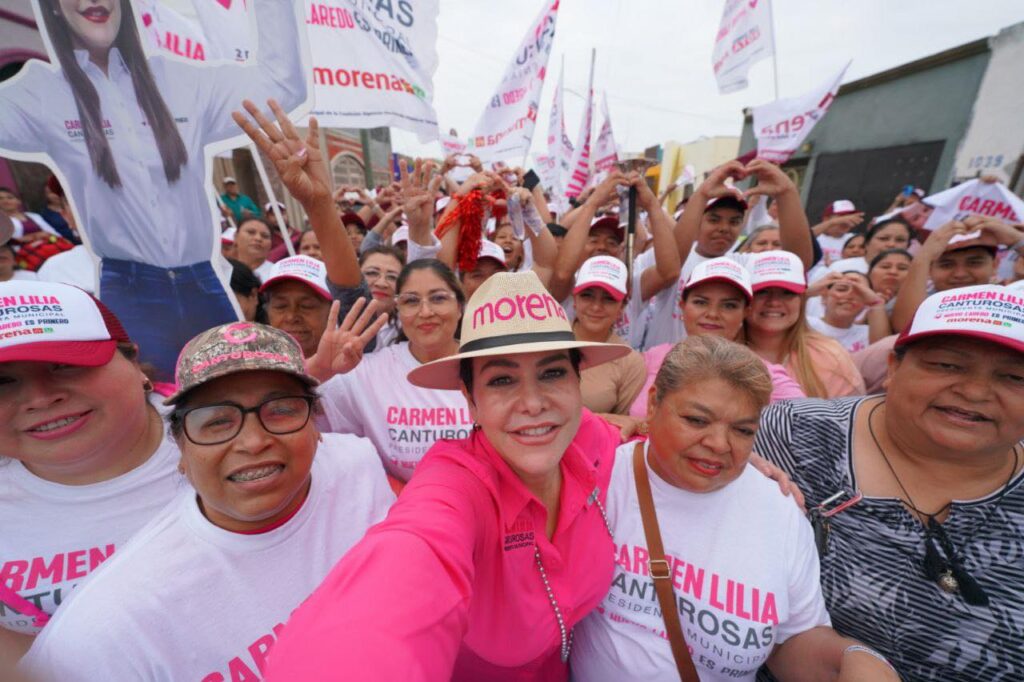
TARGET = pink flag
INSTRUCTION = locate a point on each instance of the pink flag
(744, 36)
(559, 157)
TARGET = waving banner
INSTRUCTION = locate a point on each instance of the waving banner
(581, 160)
(166, 29)
(782, 126)
(744, 37)
(559, 156)
(606, 155)
(374, 63)
(990, 199)
(226, 26)
(505, 128)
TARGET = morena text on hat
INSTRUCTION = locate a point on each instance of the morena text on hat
(536, 306)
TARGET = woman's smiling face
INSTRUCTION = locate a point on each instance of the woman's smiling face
(94, 24)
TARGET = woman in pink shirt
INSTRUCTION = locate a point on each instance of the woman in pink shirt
(499, 545)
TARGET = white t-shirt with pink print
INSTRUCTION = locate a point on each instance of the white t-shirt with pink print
(744, 570)
(188, 600)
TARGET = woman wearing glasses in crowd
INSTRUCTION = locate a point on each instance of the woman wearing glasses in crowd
(381, 266)
(926, 567)
(201, 592)
(84, 461)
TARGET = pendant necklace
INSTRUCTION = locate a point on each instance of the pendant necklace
(947, 572)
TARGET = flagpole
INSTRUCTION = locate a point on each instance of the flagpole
(274, 208)
(775, 55)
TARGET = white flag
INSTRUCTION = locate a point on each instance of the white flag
(781, 126)
(744, 37)
(374, 67)
(226, 26)
(506, 126)
(167, 30)
(451, 144)
(581, 160)
(605, 153)
(559, 156)
(991, 199)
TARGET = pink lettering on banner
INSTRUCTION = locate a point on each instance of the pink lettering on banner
(989, 207)
(427, 416)
(536, 306)
(728, 595)
(20, 574)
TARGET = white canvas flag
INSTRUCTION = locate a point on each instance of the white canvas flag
(559, 156)
(226, 27)
(505, 128)
(781, 126)
(451, 144)
(744, 37)
(167, 30)
(374, 63)
(581, 160)
(606, 154)
(974, 197)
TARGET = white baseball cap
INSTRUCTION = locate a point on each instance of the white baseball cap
(57, 323)
(228, 235)
(721, 269)
(840, 207)
(309, 271)
(605, 272)
(781, 269)
(988, 311)
(268, 207)
(400, 235)
(489, 249)
(229, 179)
(855, 264)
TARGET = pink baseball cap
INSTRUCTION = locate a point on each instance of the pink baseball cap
(721, 269)
(781, 269)
(605, 272)
(987, 311)
(51, 322)
(840, 207)
(400, 235)
(309, 271)
(489, 249)
(609, 222)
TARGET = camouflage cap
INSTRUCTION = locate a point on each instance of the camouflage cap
(237, 347)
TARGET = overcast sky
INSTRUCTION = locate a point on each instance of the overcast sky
(654, 57)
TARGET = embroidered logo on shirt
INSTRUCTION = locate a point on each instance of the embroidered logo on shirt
(518, 535)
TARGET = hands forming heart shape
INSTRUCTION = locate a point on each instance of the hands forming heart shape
(771, 180)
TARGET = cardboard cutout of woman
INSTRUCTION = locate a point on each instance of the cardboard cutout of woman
(128, 134)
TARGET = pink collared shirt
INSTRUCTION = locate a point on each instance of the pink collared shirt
(447, 586)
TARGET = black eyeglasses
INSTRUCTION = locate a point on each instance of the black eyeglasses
(216, 424)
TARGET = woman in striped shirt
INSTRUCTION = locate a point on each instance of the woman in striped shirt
(927, 564)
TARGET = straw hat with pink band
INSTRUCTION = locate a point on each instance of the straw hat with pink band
(510, 313)
(605, 273)
(721, 269)
(58, 323)
(308, 271)
(781, 269)
(990, 312)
